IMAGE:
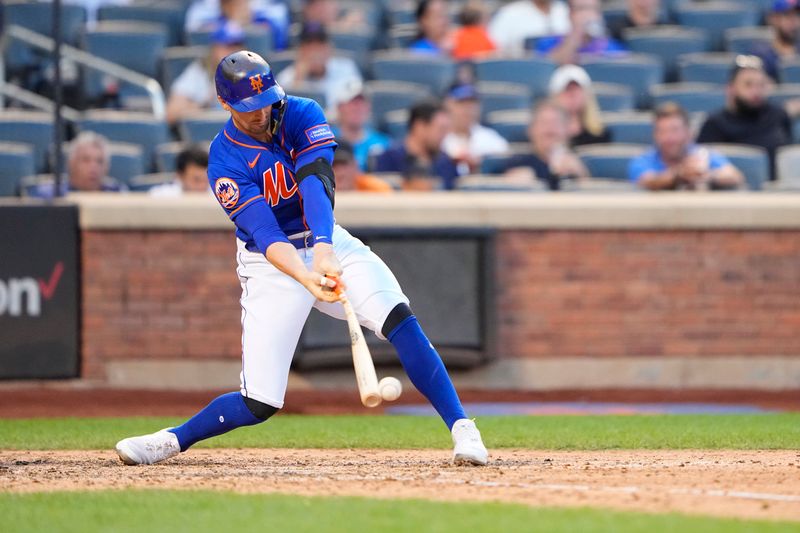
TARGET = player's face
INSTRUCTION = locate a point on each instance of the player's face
(87, 168)
(253, 123)
(750, 86)
(671, 136)
(194, 178)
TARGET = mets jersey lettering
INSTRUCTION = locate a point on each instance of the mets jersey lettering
(276, 187)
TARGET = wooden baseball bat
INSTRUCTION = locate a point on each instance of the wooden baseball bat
(362, 360)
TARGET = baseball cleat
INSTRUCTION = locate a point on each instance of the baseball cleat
(148, 449)
(468, 447)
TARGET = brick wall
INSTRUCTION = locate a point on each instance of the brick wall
(175, 294)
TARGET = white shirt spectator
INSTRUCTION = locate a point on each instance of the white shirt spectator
(204, 12)
(196, 84)
(482, 141)
(339, 71)
(517, 21)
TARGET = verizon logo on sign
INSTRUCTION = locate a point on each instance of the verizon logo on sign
(23, 296)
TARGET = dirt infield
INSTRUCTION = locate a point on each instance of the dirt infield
(743, 484)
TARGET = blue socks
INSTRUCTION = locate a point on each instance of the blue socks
(223, 414)
(426, 370)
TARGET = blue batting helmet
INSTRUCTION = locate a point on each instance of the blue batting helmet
(245, 82)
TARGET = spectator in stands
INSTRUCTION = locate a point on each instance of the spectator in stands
(194, 89)
(784, 19)
(419, 158)
(524, 19)
(551, 160)
(315, 68)
(434, 35)
(676, 163)
(327, 14)
(571, 87)
(468, 141)
(191, 167)
(349, 177)
(588, 36)
(471, 40)
(353, 112)
(641, 14)
(748, 118)
(272, 14)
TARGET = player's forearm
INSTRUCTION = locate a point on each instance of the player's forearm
(284, 257)
(658, 181)
(317, 209)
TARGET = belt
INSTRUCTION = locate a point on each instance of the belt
(304, 239)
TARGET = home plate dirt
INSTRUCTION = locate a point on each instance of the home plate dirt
(744, 484)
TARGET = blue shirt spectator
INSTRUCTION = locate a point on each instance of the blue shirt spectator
(434, 33)
(599, 46)
(588, 35)
(651, 161)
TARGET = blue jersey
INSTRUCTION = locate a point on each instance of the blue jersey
(243, 171)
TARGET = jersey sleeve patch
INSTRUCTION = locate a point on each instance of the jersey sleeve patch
(227, 192)
(320, 132)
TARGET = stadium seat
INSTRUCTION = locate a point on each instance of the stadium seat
(631, 127)
(790, 71)
(38, 17)
(496, 96)
(533, 72)
(498, 164)
(498, 184)
(600, 185)
(145, 182)
(402, 35)
(126, 162)
(390, 96)
(116, 41)
(716, 17)
(434, 72)
(784, 92)
(121, 126)
(396, 124)
(170, 14)
(202, 126)
(175, 60)
(613, 96)
(693, 97)
(16, 162)
(167, 154)
(34, 128)
(280, 60)
(712, 67)
(753, 161)
(309, 92)
(614, 13)
(358, 44)
(637, 71)
(745, 39)
(667, 43)
(401, 13)
(258, 39)
(513, 125)
(787, 163)
(609, 161)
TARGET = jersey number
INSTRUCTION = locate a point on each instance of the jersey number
(275, 186)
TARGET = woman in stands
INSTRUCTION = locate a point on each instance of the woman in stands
(571, 87)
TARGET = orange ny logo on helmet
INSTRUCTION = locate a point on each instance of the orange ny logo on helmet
(256, 84)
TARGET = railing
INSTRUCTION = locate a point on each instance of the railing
(42, 42)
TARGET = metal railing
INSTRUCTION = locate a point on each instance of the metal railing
(42, 42)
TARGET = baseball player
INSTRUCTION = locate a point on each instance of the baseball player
(270, 169)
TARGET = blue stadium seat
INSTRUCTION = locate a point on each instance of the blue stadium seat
(38, 16)
(667, 42)
(496, 96)
(436, 73)
(746, 39)
(202, 126)
(712, 67)
(391, 96)
(533, 72)
(610, 160)
(790, 71)
(145, 182)
(308, 92)
(784, 92)
(115, 41)
(513, 125)
(135, 128)
(33, 128)
(396, 124)
(258, 39)
(358, 44)
(168, 13)
(498, 184)
(402, 35)
(126, 162)
(753, 161)
(637, 71)
(716, 17)
(16, 162)
(167, 155)
(174, 61)
(613, 97)
(614, 13)
(280, 60)
(693, 97)
(630, 127)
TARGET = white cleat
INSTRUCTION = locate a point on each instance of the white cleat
(148, 449)
(468, 447)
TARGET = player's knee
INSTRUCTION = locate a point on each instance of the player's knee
(260, 410)
(396, 317)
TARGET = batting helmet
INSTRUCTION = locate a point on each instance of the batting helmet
(245, 82)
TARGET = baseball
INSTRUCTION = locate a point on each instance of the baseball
(390, 388)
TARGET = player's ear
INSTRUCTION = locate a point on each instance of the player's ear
(225, 106)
